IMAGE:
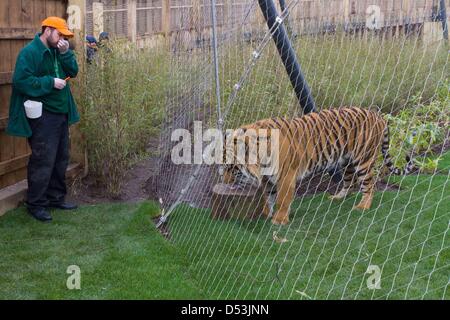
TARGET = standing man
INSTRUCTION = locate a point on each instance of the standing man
(42, 70)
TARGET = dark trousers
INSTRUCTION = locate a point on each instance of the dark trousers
(49, 160)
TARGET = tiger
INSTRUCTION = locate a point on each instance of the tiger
(348, 138)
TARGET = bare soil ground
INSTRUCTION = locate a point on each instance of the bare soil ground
(134, 189)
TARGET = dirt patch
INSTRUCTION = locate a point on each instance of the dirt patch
(134, 189)
(87, 192)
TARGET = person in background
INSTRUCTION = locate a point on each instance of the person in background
(42, 70)
(103, 42)
(91, 48)
(103, 38)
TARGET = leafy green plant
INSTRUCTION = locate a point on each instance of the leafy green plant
(413, 131)
(428, 164)
(122, 109)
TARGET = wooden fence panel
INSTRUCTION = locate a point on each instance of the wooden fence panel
(187, 19)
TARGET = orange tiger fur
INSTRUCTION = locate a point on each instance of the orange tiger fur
(349, 137)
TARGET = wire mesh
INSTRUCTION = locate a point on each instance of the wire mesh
(376, 55)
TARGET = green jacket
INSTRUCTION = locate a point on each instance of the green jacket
(34, 79)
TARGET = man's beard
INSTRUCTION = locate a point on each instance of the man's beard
(52, 45)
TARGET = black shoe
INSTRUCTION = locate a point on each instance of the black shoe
(40, 214)
(64, 206)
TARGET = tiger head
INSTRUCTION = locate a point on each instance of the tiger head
(244, 157)
(241, 176)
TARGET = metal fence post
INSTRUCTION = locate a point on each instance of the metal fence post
(216, 62)
(288, 56)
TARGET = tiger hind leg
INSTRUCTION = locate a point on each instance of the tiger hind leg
(285, 196)
(269, 205)
(365, 177)
(349, 177)
(269, 192)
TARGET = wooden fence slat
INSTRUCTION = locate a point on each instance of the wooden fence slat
(4, 16)
(3, 123)
(17, 33)
(39, 10)
(6, 77)
(5, 90)
(28, 14)
(7, 152)
(14, 164)
(50, 8)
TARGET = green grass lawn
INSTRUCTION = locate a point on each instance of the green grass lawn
(118, 250)
(329, 248)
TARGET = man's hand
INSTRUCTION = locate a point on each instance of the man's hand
(59, 84)
(63, 46)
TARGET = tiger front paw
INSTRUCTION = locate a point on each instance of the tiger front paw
(338, 196)
(362, 207)
(266, 212)
(280, 220)
(335, 197)
(365, 204)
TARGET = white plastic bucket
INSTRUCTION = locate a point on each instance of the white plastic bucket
(33, 109)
